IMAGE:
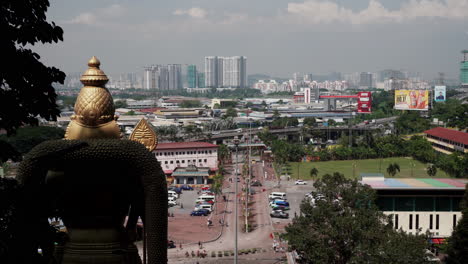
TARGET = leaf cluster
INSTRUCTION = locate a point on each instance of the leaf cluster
(26, 90)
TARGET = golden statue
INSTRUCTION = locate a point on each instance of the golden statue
(94, 108)
(94, 181)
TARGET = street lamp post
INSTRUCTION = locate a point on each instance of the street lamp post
(236, 143)
(250, 178)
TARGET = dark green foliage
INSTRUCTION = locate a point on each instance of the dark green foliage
(453, 112)
(27, 138)
(190, 104)
(458, 243)
(347, 227)
(285, 151)
(411, 122)
(118, 104)
(431, 170)
(230, 112)
(267, 137)
(393, 169)
(456, 164)
(309, 121)
(282, 122)
(26, 89)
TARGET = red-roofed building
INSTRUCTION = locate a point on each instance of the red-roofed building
(447, 140)
(182, 154)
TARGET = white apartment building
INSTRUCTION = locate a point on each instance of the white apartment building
(211, 71)
(266, 87)
(226, 72)
(418, 204)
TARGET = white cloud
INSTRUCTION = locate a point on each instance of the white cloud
(99, 16)
(194, 12)
(324, 12)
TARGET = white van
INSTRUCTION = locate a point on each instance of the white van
(277, 195)
(206, 197)
(172, 193)
(208, 207)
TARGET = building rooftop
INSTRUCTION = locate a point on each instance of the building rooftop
(449, 134)
(184, 145)
(415, 183)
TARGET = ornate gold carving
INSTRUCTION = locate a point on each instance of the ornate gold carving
(144, 134)
(94, 108)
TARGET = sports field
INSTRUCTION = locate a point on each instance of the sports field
(409, 168)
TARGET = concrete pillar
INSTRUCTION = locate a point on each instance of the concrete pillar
(185, 180)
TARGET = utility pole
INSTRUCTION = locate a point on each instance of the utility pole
(236, 143)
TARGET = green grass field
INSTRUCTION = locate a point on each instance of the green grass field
(364, 166)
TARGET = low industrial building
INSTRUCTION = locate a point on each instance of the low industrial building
(419, 204)
(447, 140)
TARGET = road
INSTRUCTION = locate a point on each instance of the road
(258, 238)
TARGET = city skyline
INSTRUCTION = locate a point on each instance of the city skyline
(279, 37)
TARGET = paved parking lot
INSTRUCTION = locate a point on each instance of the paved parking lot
(294, 193)
(187, 201)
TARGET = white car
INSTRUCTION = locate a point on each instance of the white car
(300, 182)
(171, 203)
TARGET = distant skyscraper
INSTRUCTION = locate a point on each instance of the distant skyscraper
(201, 80)
(175, 76)
(192, 76)
(148, 78)
(296, 76)
(220, 71)
(226, 71)
(365, 81)
(234, 72)
(308, 77)
(464, 69)
(211, 71)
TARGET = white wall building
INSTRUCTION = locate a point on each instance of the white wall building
(182, 154)
(419, 205)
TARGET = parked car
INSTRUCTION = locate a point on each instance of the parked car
(170, 244)
(256, 183)
(186, 188)
(279, 202)
(200, 212)
(201, 201)
(279, 214)
(300, 182)
(277, 207)
(277, 195)
(204, 188)
(207, 207)
(173, 194)
(175, 189)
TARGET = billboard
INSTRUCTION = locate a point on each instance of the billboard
(364, 103)
(439, 93)
(412, 100)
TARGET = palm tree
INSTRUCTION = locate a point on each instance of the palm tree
(431, 170)
(393, 168)
(313, 172)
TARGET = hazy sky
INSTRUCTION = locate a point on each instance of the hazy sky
(278, 36)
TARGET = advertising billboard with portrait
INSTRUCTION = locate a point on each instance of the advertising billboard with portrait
(412, 100)
(439, 93)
